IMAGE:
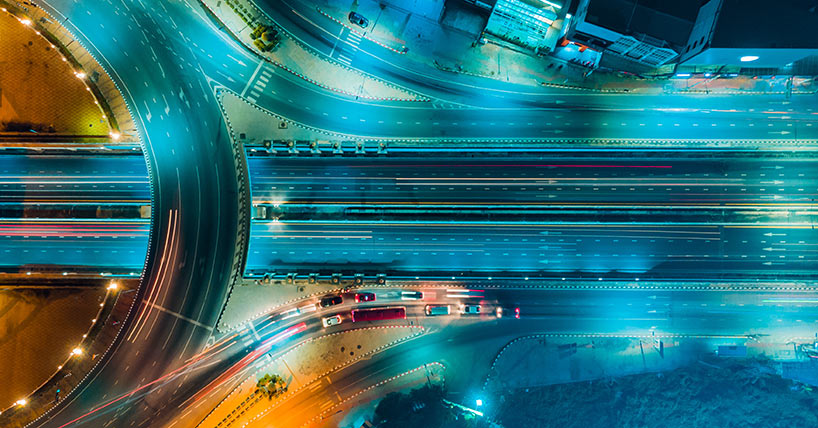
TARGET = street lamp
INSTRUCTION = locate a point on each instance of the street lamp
(76, 351)
(112, 286)
(479, 402)
(21, 402)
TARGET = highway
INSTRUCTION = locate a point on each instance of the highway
(47, 189)
(657, 248)
(686, 118)
(73, 180)
(93, 245)
(452, 339)
(464, 106)
(168, 57)
(657, 251)
(614, 178)
(147, 49)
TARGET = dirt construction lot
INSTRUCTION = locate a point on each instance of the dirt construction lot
(38, 89)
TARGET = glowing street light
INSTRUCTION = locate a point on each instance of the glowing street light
(80, 74)
(21, 402)
(113, 286)
(115, 135)
(25, 21)
(76, 351)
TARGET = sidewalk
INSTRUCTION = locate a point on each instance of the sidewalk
(576, 359)
(250, 300)
(354, 410)
(242, 17)
(302, 367)
(451, 45)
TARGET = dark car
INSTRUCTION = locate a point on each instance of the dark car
(331, 301)
(358, 19)
(364, 297)
(411, 295)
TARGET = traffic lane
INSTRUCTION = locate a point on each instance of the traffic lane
(673, 312)
(81, 246)
(455, 348)
(425, 121)
(731, 309)
(337, 113)
(68, 179)
(187, 146)
(451, 335)
(326, 37)
(540, 181)
(653, 250)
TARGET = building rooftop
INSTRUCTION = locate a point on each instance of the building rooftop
(670, 21)
(765, 24)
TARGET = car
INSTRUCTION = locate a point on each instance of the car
(517, 313)
(433, 310)
(331, 321)
(331, 301)
(809, 349)
(358, 19)
(470, 309)
(364, 297)
(411, 295)
(499, 312)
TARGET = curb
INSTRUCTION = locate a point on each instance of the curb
(418, 98)
(343, 24)
(347, 363)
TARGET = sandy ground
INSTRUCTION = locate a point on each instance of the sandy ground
(38, 330)
(37, 86)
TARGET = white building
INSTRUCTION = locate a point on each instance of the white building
(532, 23)
(752, 33)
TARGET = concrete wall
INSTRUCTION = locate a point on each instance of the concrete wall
(766, 57)
(702, 30)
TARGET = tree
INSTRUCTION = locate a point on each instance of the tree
(271, 386)
(421, 407)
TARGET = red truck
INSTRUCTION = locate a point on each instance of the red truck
(379, 314)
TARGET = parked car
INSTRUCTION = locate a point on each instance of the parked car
(331, 321)
(358, 19)
(364, 297)
(470, 309)
(411, 295)
(331, 301)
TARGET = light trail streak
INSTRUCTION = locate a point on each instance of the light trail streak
(249, 359)
(163, 267)
(190, 362)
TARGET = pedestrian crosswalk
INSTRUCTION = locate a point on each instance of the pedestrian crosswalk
(442, 105)
(257, 88)
(344, 57)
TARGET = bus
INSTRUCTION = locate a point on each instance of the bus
(379, 314)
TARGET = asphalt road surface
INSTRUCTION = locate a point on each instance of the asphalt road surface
(453, 338)
(96, 245)
(168, 57)
(594, 179)
(656, 251)
(75, 179)
(148, 49)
